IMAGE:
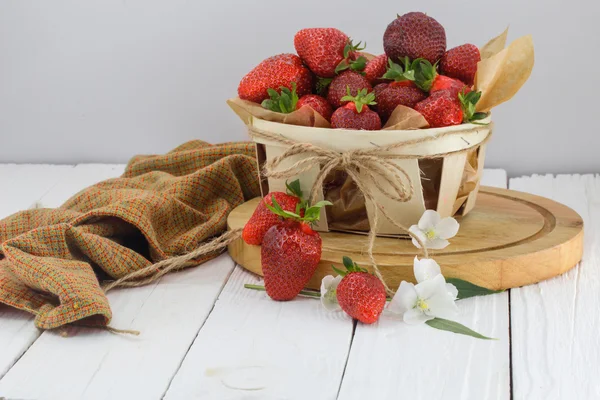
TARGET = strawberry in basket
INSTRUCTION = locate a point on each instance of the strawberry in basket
(291, 251)
(356, 114)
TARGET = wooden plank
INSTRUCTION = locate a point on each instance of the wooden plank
(555, 323)
(254, 348)
(95, 364)
(391, 359)
(22, 185)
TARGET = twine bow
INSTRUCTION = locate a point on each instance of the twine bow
(368, 168)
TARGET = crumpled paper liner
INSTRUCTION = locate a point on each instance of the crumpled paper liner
(404, 118)
(305, 116)
(503, 71)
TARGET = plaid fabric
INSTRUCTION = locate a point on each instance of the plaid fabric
(52, 260)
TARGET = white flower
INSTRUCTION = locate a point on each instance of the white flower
(329, 285)
(423, 302)
(434, 230)
(426, 268)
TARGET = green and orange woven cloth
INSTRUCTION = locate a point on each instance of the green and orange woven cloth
(53, 260)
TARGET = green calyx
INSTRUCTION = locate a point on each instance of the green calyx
(399, 73)
(284, 102)
(311, 214)
(468, 101)
(322, 85)
(350, 265)
(425, 73)
(357, 65)
(361, 99)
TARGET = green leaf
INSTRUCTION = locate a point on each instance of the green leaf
(269, 104)
(478, 116)
(342, 66)
(293, 188)
(359, 64)
(451, 326)
(348, 263)
(425, 73)
(339, 271)
(322, 85)
(467, 289)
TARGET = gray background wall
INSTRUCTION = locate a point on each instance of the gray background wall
(102, 80)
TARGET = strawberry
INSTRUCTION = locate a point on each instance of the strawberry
(327, 51)
(276, 71)
(360, 294)
(402, 91)
(441, 109)
(375, 69)
(317, 103)
(428, 79)
(461, 63)
(263, 219)
(415, 35)
(442, 82)
(356, 113)
(340, 84)
(290, 252)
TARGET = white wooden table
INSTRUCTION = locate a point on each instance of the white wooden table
(203, 336)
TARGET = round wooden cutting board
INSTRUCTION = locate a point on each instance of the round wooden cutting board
(509, 239)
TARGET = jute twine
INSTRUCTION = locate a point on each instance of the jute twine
(368, 168)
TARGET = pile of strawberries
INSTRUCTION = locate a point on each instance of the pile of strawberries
(291, 251)
(354, 90)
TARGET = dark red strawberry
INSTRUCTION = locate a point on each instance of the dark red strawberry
(340, 84)
(461, 63)
(396, 94)
(274, 72)
(442, 108)
(401, 91)
(327, 51)
(414, 35)
(290, 252)
(360, 294)
(317, 103)
(442, 82)
(263, 219)
(375, 69)
(356, 113)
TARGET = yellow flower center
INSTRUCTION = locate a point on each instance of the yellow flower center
(422, 305)
(430, 234)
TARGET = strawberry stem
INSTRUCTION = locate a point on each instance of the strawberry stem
(311, 214)
(307, 293)
(398, 73)
(468, 101)
(361, 99)
(357, 65)
(283, 102)
(425, 73)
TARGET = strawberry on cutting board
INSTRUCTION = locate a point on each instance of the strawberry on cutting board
(290, 252)
(263, 219)
(328, 51)
(356, 114)
(414, 35)
(274, 72)
(360, 294)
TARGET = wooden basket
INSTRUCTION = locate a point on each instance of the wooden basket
(452, 180)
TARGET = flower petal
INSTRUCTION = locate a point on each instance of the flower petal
(425, 269)
(442, 305)
(437, 243)
(404, 299)
(452, 290)
(431, 287)
(329, 285)
(415, 316)
(447, 228)
(429, 220)
(420, 234)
